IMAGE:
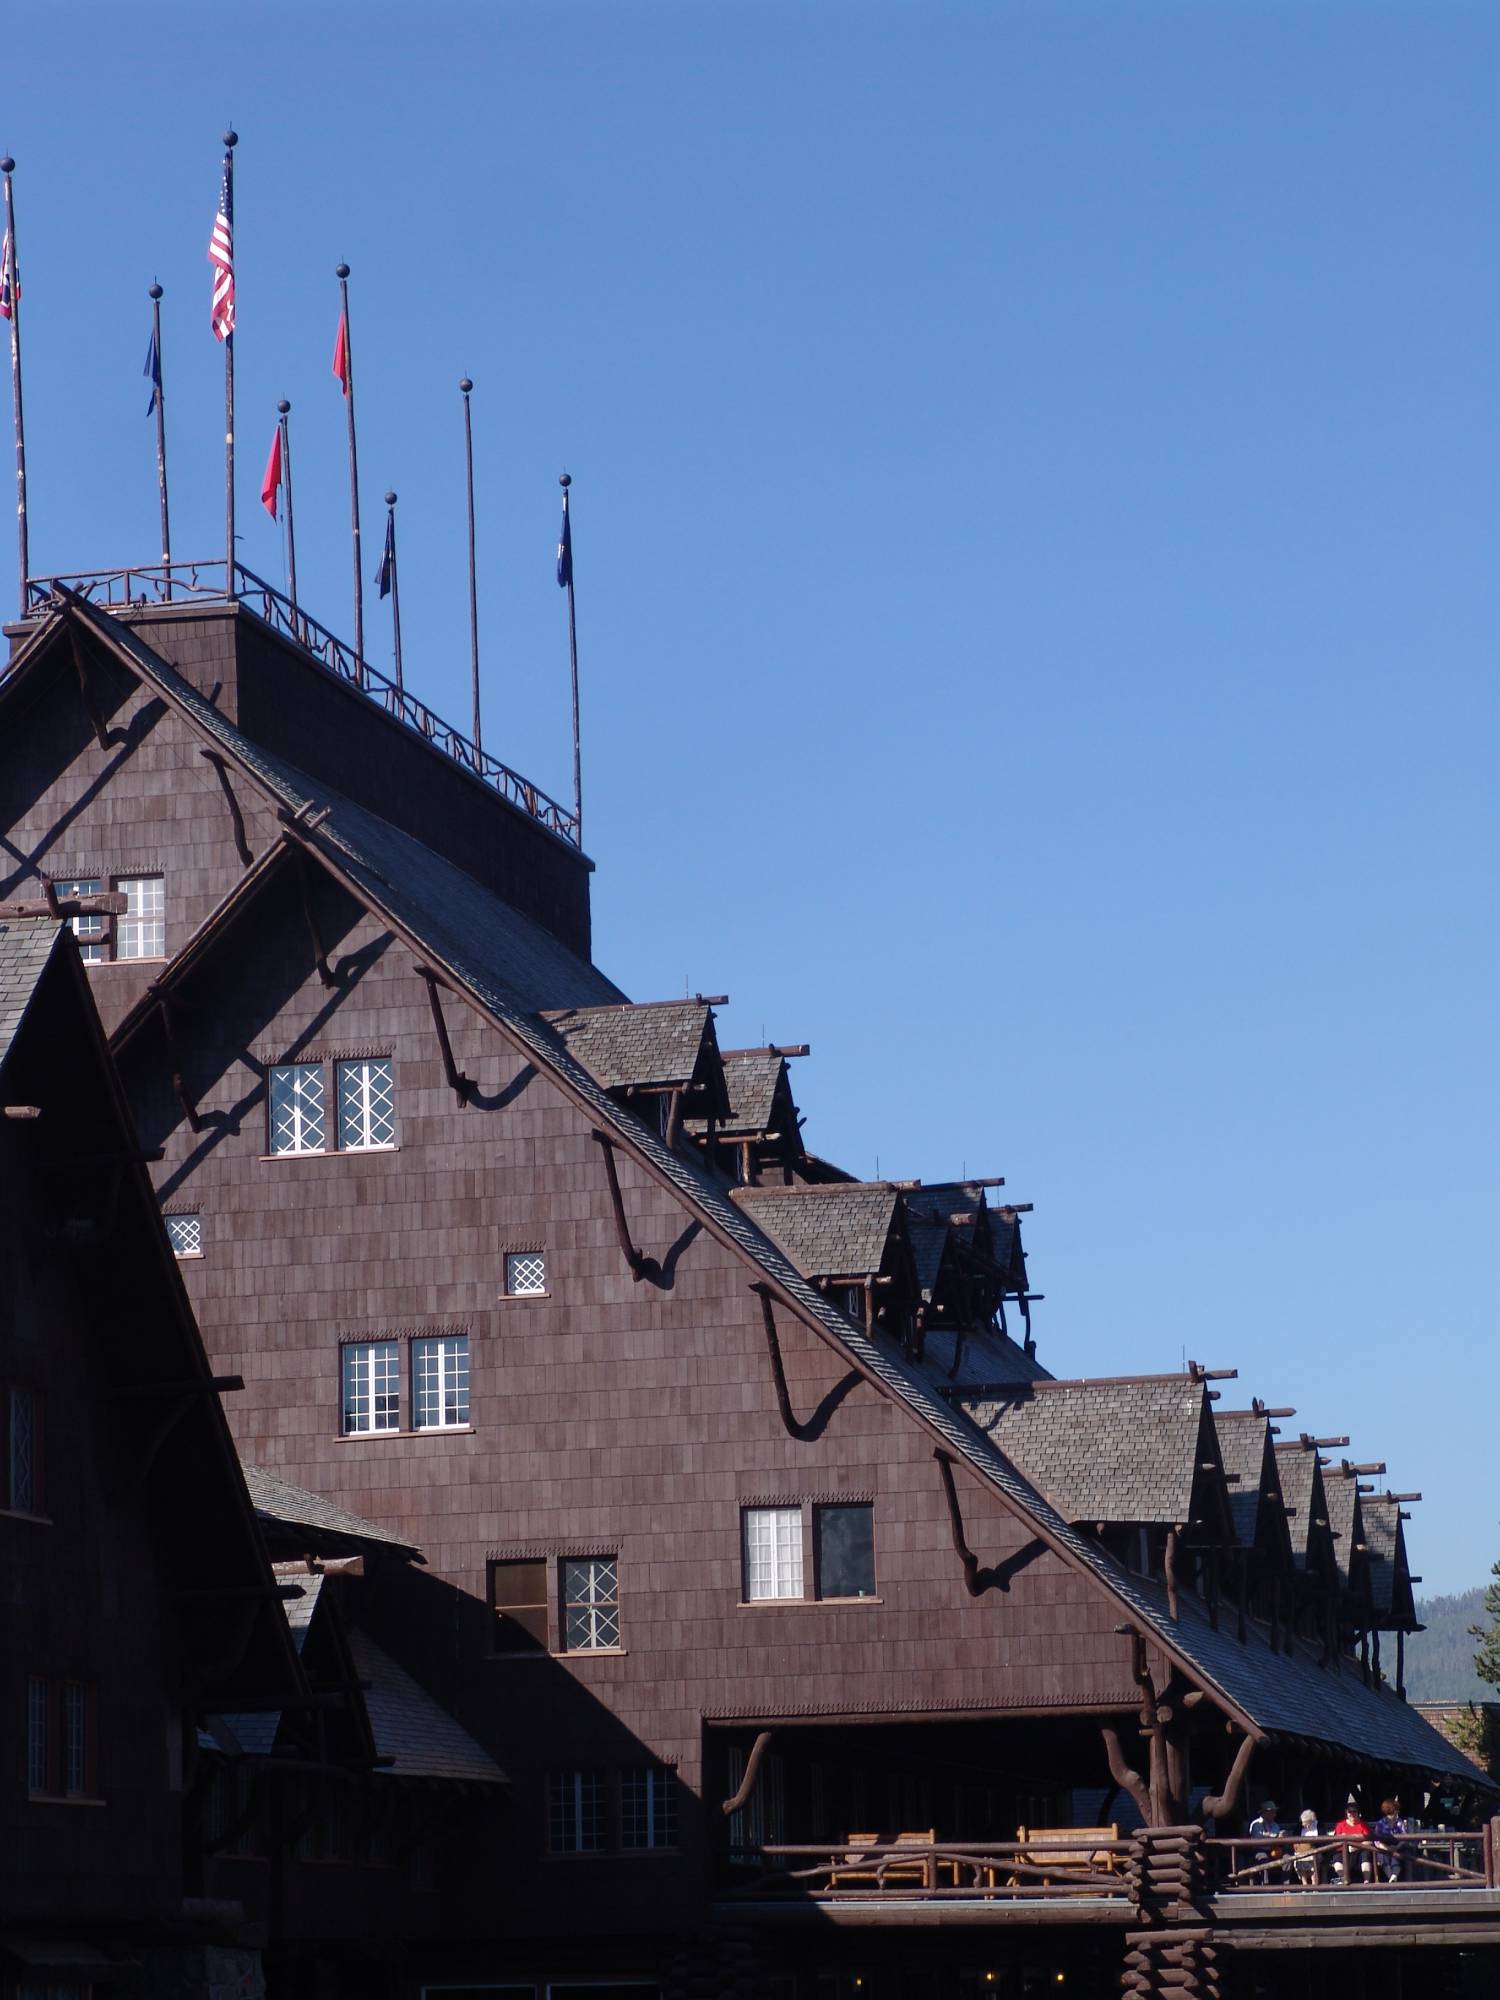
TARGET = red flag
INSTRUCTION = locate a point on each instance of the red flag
(341, 354)
(271, 484)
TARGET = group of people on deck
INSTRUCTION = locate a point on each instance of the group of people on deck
(1301, 1854)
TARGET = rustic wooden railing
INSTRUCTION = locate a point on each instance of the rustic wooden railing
(937, 1871)
(1443, 1860)
(203, 582)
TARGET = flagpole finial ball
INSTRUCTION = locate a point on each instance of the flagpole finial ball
(564, 480)
(390, 499)
(466, 385)
(283, 406)
(341, 270)
(7, 165)
(155, 292)
(231, 138)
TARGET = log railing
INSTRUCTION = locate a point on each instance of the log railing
(1442, 1860)
(186, 583)
(936, 1871)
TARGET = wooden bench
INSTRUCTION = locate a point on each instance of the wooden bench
(884, 1869)
(1067, 1849)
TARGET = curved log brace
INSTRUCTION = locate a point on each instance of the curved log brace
(778, 1373)
(751, 1778)
(309, 917)
(179, 1088)
(101, 734)
(641, 1266)
(236, 816)
(461, 1085)
(1218, 1804)
(1127, 1779)
(976, 1580)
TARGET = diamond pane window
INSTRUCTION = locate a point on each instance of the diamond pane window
(648, 1807)
(297, 1121)
(591, 1603)
(89, 931)
(440, 1380)
(575, 1812)
(372, 1387)
(142, 930)
(773, 1552)
(23, 1494)
(367, 1103)
(185, 1234)
(525, 1273)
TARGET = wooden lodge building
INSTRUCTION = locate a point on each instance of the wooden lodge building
(663, 1564)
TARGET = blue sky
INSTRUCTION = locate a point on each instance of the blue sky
(1035, 526)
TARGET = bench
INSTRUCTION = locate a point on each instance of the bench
(885, 1869)
(1067, 1849)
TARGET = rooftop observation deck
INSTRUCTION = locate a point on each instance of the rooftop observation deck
(157, 585)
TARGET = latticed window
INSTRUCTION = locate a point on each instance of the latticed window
(75, 1739)
(372, 1387)
(367, 1103)
(440, 1375)
(185, 1234)
(525, 1273)
(24, 1441)
(591, 1603)
(648, 1807)
(38, 1735)
(297, 1120)
(575, 1812)
(141, 932)
(91, 932)
(773, 1552)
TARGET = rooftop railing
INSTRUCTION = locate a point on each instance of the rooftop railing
(181, 583)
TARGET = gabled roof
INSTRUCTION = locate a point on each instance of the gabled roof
(450, 936)
(1245, 1447)
(1385, 1544)
(1302, 1488)
(277, 1501)
(753, 1081)
(1341, 1491)
(664, 1043)
(1127, 1450)
(842, 1230)
(25, 950)
(412, 1731)
(928, 1241)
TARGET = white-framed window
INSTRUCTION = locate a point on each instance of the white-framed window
(440, 1381)
(367, 1103)
(525, 1273)
(185, 1234)
(141, 932)
(575, 1812)
(648, 1807)
(372, 1387)
(23, 1441)
(591, 1603)
(298, 1122)
(773, 1552)
(91, 932)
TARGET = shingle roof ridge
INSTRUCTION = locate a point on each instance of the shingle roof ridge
(411, 1726)
(796, 1189)
(298, 1506)
(624, 1006)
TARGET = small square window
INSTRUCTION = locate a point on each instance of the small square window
(367, 1104)
(525, 1273)
(91, 931)
(142, 931)
(440, 1381)
(591, 1603)
(773, 1552)
(185, 1234)
(518, 1598)
(648, 1807)
(297, 1116)
(844, 1550)
(575, 1812)
(372, 1387)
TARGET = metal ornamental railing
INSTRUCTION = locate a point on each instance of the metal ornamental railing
(185, 582)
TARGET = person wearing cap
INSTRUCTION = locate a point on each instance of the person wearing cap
(1305, 1850)
(1266, 1826)
(1352, 1827)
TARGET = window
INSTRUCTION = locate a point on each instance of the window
(367, 1103)
(648, 1807)
(440, 1381)
(59, 1739)
(773, 1552)
(844, 1551)
(142, 931)
(38, 1735)
(297, 1122)
(525, 1273)
(591, 1603)
(185, 1234)
(575, 1812)
(518, 1598)
(91, 932)
(23, 1441)
(372, 1387)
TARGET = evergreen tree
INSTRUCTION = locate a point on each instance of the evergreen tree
(1487, 1655)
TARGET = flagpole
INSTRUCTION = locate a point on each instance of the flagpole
(390, 532)
(7, 168)
(291, 527)
(359, 581)
(465, 386)
(161, 439)
(565, 482)
(231, 140)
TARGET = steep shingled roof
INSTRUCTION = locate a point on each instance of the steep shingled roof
(1302, 1489)
(837, 1231)
(452, 931)
(751, 1077)
(1384, 1543)
(1244, 1439)
(276, 1499)
(25, 949)
(418, 1735)
(621, 1044)
(1125, 1450)
(1341, 1491)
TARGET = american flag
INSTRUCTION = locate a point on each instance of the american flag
(221, 256)
(10, 289)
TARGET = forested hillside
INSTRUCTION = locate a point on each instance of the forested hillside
(1440, 1661)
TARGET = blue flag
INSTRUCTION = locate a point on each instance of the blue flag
(565, 550)
(152, 372)
(388, 560)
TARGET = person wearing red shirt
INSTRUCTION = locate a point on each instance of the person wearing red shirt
(1352, 1827)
